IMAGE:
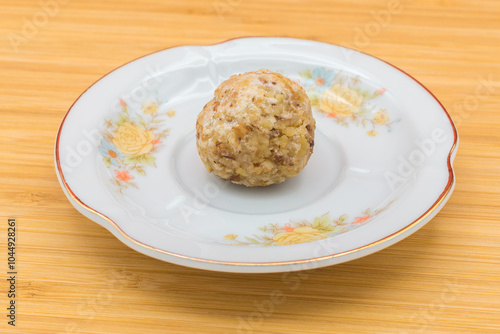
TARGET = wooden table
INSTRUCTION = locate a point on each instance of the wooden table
(73, 276)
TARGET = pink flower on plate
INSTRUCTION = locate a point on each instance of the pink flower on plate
(359, 220)
(123, 175)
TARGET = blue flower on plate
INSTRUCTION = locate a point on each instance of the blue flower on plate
(108, 150)
(321, 79)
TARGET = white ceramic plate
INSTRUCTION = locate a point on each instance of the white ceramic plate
(382, 166)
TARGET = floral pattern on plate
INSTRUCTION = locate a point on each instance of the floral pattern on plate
(130, 142)
(305, 231)
(341, 98)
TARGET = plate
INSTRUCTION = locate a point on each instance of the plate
(126, 158)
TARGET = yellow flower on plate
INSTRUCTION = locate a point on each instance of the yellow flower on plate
(381, 117)
(340, 101)
(171, 113)
(230, 236)
(149, 108)
(298, 235)
(372, 133)
(132, 139)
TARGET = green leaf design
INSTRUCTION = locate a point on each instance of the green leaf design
(123, 118)
(306, 74)
(164, 133)
(107, 161)
(363, 112)
(144, 159)
(141, 121)
(253, 241)
(323, 223)
(147, 159)
(116, 182)
(141, 171)
(314, 98)
(132, 159)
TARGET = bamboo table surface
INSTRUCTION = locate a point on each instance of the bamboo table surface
(73, 276)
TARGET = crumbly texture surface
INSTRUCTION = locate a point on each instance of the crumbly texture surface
(258, 129)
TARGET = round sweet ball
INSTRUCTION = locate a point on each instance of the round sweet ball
(258, 130)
